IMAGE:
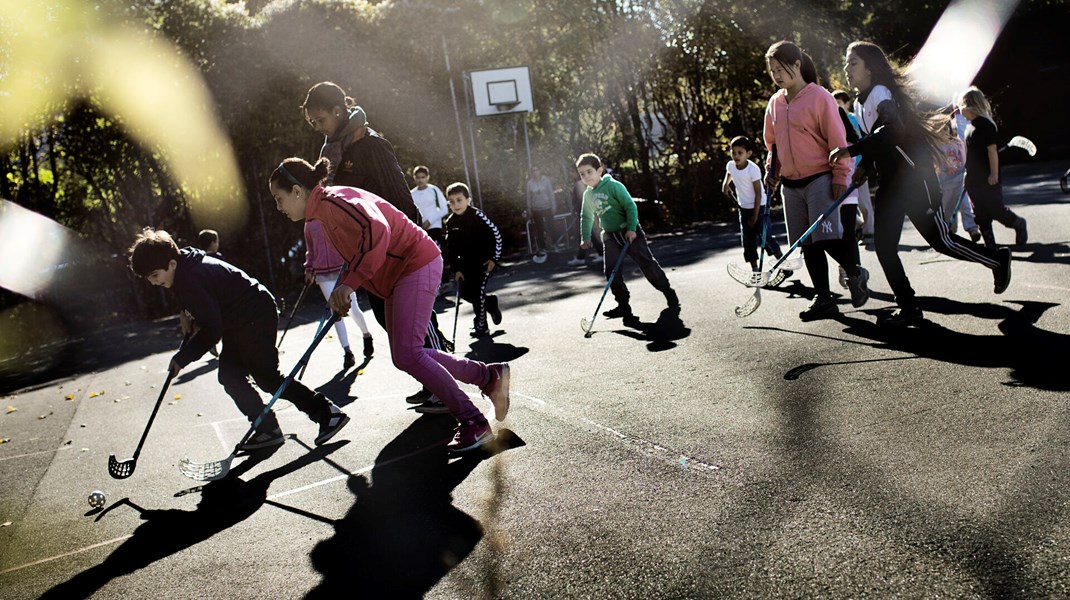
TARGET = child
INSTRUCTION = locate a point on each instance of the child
(901, 149)
(950, 170)
(322, 266)
(610, 201)
(208, 240)
(235, 308)
(865, 200)
(431, 202)
(364, 160)
(747, 178)
(473, 248)
(394, 259)
(982, 170)
(804, 135)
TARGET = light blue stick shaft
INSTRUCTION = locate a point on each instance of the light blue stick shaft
(609, 282)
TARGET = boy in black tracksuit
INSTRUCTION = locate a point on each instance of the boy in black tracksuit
(231, 306)
(472, 247)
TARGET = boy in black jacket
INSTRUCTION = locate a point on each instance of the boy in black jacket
(472, 248)
(231, 306)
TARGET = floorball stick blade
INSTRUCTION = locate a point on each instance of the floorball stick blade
(748, 277)
(210, 471)
(778, 278)
(120, 470)
(748, 307)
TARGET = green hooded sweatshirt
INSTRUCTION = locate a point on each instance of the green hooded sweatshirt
(614, 206)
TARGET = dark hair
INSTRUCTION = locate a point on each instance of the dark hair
(924, 127)
(296, 171)
(852, 135)
(787, 54)
(421, 169)
(206, 238)
(458, 188)
(590, 160)
(841, 96)
(325, 96)
(152, 249)
(742, 141)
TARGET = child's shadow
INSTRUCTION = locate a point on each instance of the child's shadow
(403, 533)
(223, 504)
(338, 387)
(486, 349)
(660, 335)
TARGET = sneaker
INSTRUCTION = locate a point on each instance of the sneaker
(494, 310)
(434, 406)
(577, 262)
(598, 259)
(672, 299)
(497, 389)
(447, 345)
(904, 317)
(369, 346)
(975, 235)
(823, 307)
(622, 310)
(348, 360)
(843, 277)
(858, 287)
(470, 436)
(1001, 275)
(334, 423)
(420, 397)
(1021, 234)
(263, 439)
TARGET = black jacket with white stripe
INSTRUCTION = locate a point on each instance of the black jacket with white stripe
(471, 240)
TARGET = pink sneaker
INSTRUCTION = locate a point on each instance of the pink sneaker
(497, 389)
(470, 435)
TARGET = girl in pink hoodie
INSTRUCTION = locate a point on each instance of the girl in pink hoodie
(393, 258)
(803, 121)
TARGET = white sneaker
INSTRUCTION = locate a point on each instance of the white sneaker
(577, 262)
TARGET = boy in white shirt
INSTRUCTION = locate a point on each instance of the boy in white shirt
(749, 193)
(431, 202)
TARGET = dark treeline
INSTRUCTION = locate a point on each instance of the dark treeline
(656, 87)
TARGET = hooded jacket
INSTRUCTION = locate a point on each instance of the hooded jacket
(378, 242)
(805, 131)
(219, 296)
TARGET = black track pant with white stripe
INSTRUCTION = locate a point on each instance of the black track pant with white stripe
(474, 292)
(913, 197)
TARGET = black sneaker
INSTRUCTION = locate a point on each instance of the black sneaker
(348, 360)
(672, 299)
(622, 310)
(419, 397)
(369, 347)
(447, 345)
(823, 307)
(1021, 234)
(858, 287)
(904, 317)
(334, 422)
(1001, 275)
(263, 439)
(493, 310)
(434, 406)
(975, 235)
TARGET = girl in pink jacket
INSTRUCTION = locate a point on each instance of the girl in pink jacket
(803, 121)
(394, 259)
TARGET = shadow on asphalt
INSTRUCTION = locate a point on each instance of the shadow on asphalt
(1036, 357)
(338, 387)
(660, 335)
(223, 504)
(403, 533)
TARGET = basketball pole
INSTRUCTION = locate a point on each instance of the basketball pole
(456, 113)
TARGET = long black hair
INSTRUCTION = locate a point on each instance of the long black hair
(787, 53)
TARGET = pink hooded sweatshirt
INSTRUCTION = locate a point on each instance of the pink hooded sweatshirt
(805, 132)
(378, 242)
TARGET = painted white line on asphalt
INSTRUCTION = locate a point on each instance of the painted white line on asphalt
(66, 554)
(219, 434)
(532, 398)
(35, 453)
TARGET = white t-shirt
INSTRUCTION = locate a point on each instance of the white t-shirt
(744, 179)
(432, 204)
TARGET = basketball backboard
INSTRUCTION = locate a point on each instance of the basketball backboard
(501, 91)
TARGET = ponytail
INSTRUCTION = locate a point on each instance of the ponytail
(297, 171)
(787, 54)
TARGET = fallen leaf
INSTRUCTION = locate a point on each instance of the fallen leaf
(4, 440)
(200, 414)
(11, 409)
(5, 523)
(93, 394)
(360, 371)
(69, 396)
(178, 396)
(84, 450)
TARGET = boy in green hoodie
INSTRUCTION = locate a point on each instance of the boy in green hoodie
(610, 200)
